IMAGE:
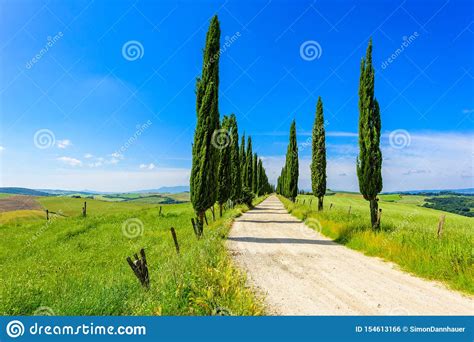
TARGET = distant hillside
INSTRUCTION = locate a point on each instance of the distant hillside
(23, 191)
(467, 191)
(166, 189)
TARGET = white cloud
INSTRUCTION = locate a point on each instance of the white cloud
(63, 143)
(116, 155)
(70, 161)
(150, 166)
(88, 156)
(2, 148)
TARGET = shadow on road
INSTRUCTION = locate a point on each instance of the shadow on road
(282, 240)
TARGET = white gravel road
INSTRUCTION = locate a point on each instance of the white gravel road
(301, 272)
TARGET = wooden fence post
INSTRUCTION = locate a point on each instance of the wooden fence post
(140, 268)
(47, 215)
(84, 210)
(440, 225)
(350, 210)
(159, 214)
(175, 239)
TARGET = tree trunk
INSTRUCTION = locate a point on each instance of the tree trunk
(201, 222)
(374, 210)
(320, 203)
(220, 209)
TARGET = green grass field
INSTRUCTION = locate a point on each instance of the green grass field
(77, 266)
(408, 234)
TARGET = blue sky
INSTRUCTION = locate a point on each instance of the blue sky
(106, 122)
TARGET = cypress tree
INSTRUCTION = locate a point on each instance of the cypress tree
(369, 161)
(243, 161)
(224, 168)
(254, 173)
(249, 164)
(205, 155)
(318, 163)
(292, 167)
(235, 161)
(260, 178)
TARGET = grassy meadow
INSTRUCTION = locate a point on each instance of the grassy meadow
(408, 234)
(77, 266)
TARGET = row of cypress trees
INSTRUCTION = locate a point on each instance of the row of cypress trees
(221, 171)
(369, 160)
(287, 183)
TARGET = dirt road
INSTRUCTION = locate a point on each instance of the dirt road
(300, 272)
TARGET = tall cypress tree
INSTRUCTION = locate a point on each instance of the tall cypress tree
(205, 155)
(243, 161)
(260, 178)
(254, 173)
(223, 174)
(318, 163)
(292, 167)
(369, 161)
(249, 164)
(235, 168)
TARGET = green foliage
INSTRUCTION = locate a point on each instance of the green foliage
(249, 164)
(369, 161)
(243, 161)
(318, 162)
(205, 155)
(287, 184)
(224, 183)
(235, 160)
(247, 196)
(254, 173)
(407, 236)
(462, 205)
